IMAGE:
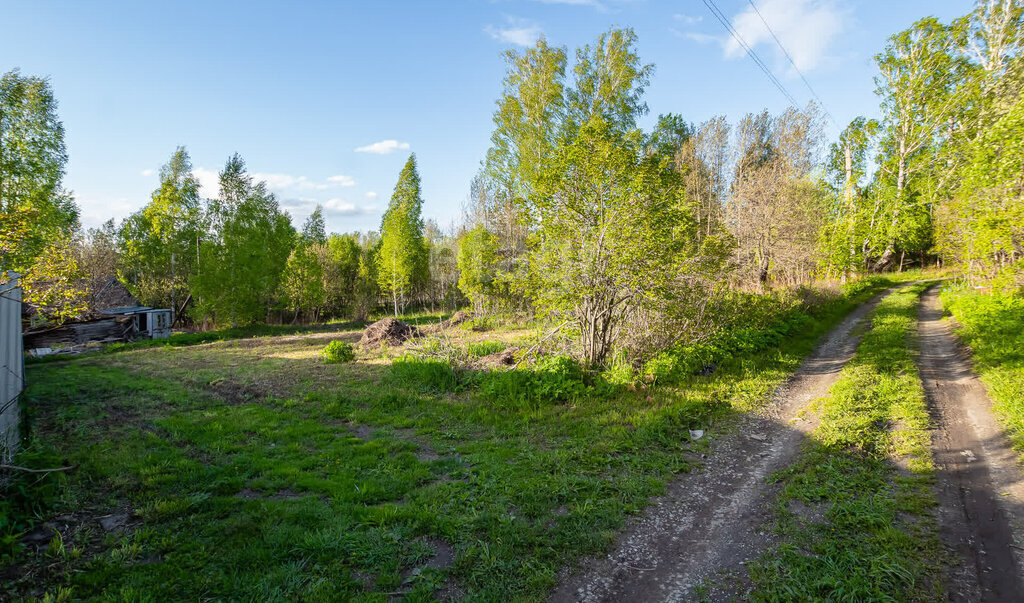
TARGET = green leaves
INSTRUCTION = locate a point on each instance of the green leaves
(244, 254)
(477, 261)
(160, 243)
(610, 231)
(403, 258)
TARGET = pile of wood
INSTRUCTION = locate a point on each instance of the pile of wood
(103, 329)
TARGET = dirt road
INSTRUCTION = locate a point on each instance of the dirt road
(715, 519)
(980, 487)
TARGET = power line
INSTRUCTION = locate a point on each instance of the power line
(791, 61)
(718, 14)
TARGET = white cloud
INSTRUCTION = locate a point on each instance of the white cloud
(697, 37)
(209, 182)
(383, 147)
(520, 32)
(97, 210)
(281, 182)
(148, 172)
(288, 188)
(687, 19)
(371, 194)
(346, 208)
(341, 180)
(805, 27)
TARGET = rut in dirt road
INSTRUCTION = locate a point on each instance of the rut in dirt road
(713, 520)
(981, 492)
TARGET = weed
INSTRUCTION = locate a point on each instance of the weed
(429, 375)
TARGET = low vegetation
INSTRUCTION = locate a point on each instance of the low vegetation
(855, 512)
(338, 351)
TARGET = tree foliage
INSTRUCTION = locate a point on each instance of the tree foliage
(611, 233)
(160, 243)
(403, 260)
(244, 253)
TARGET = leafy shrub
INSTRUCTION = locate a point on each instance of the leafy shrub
(337, 351)
(427, 374)
(688, 359)
(763, 322)
(553, 380)
(485, 348)
(478, 324)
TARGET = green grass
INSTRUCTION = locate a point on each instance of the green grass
(855, 511)
(255, 471)
(485, 348)
(992, 325)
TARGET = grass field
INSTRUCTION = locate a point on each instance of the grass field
(855, 512)
(250, 469)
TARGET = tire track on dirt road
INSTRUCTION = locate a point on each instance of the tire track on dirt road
(716, 518)
(980, 483)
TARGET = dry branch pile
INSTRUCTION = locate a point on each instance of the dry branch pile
(388, 331)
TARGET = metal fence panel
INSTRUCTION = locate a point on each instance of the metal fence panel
(12, 366)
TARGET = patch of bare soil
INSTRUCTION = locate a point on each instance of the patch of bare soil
(234, 393)
(980, 484)
(388, 331)
(89, 530)
(714, 520)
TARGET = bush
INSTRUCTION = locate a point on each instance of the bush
(338, 351)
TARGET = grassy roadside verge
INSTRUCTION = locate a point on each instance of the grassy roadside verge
(354, 482)
(855, 512)
(992, 325)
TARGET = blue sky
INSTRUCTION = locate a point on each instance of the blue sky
(306, 91)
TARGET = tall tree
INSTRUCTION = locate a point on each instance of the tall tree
(98, 258)
(160, 242)
(773, 210)
(610, 230)
(402, 261)
(853, 236)
(38, 218)
(477, 263)
(918, 74)
(243, 256)
(314, 230)
(32, 165)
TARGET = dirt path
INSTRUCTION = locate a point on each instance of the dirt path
(695, 539)
(981, 487)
